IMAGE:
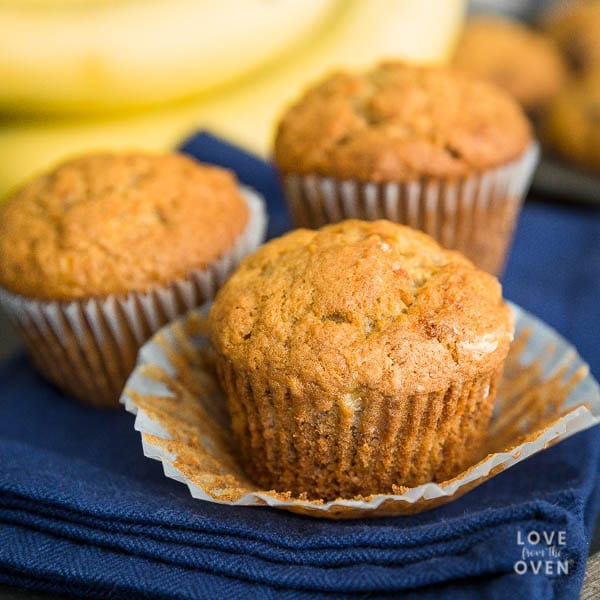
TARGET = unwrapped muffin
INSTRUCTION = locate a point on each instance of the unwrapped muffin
(358, 359)
(425, 146)
(525, 63)
(97, 254)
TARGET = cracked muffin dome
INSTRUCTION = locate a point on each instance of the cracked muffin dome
(358, 358)
(399, 122)
(110, 223)
(362, 304)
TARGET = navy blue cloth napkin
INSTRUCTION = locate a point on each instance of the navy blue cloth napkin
(83, 512)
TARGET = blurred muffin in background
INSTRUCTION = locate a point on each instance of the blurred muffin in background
(429, 147)
(526, 64)
(102, 251)
(575, 27)
(572, 123)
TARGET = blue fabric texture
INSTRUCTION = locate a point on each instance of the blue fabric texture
(83, 512)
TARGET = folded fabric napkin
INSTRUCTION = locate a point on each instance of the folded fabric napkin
(83, 512)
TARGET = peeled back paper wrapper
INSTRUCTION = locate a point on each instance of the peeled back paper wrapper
(545, 396)
(88, 347)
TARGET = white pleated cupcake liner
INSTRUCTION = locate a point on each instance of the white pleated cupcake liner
(88, 347)
(475, 214)
(169, 376)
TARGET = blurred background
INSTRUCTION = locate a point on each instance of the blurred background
(96, 74)
(82, 75)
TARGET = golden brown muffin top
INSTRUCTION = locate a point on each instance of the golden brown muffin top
(111, 223)
(572, 123)
(398, 122)
(360, 306)
(523, 62)
(575, 27)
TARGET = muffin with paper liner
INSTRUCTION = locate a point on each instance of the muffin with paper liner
(358, 358)
(429, 147)
(100, 252)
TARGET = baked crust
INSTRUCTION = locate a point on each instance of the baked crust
(113, 223)
(399, 122)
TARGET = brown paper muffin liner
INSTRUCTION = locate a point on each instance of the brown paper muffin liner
(356, 448)
(475, 214)
(546, 394)
(88, 347)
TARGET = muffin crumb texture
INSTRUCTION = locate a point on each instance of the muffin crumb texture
(111, 223)
(358, 358)
(398, 122)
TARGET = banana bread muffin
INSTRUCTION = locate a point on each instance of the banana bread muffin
(425, 146)
(104, 249)
(575, 27)
(523, 62)
(358, 358)
(572, 123)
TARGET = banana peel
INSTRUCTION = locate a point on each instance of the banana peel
(246, 109)
(66, 57)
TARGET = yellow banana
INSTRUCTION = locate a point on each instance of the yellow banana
(245, 110)
(64, 56)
